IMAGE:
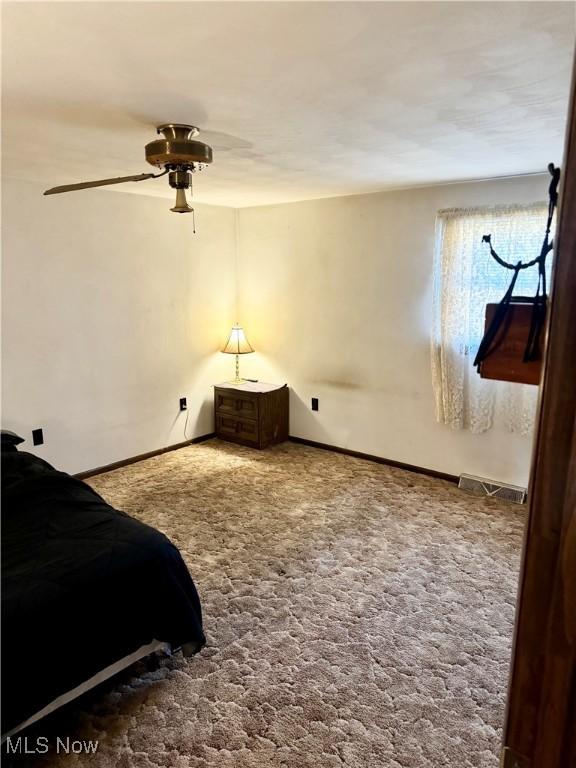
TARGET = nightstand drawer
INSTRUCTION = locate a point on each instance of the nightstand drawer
(232, 428)
(237, 403)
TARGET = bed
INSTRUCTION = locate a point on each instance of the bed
(86, 590)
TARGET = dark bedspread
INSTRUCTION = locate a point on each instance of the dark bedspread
(83, 585)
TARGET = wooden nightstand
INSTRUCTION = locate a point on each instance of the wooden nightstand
(253, 413)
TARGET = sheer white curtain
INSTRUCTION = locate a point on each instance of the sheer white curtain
(466, 278)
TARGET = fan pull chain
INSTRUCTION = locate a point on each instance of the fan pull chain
(191, 197)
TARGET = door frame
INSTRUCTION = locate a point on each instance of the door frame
(540, 727)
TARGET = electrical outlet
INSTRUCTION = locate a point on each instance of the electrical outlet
(183, 404)
(314, 403)
(37, 436)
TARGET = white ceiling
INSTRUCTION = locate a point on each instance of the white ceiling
(307, 99)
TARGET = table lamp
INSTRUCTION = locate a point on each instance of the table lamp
(237, 344)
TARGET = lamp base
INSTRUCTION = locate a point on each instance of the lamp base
(237, 379)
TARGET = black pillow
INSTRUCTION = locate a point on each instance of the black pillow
(10, 439)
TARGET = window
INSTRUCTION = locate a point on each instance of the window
(466, 278)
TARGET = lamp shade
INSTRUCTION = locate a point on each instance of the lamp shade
(237, 343)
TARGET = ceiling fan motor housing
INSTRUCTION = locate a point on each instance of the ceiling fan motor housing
(177, 150)
(180, 179)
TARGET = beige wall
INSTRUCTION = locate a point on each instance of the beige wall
(336, 297)
(112, 311)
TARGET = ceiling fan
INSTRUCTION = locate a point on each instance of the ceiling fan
(177, 153)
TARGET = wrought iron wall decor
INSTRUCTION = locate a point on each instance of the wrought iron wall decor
(495, 329)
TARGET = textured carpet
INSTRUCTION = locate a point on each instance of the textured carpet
(356, 615)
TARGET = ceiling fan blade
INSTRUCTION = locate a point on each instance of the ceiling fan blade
(101, 183)
(224, 142)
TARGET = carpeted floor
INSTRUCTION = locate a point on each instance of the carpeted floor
(356, 616)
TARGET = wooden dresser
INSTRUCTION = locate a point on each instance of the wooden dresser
(252, 413)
